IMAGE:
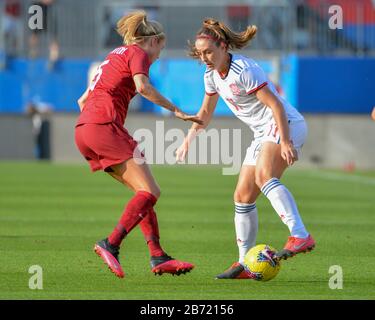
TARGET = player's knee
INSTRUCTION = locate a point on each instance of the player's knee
(237, 196)
(156, 192)
(261, 177)
(241, 196)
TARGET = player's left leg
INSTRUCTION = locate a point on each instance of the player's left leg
(268, 163)
(149, 226)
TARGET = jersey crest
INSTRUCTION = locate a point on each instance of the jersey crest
(235, 90)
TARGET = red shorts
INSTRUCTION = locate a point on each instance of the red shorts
(104, 145)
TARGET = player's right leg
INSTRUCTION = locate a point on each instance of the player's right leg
(245, 221)
(246, 213)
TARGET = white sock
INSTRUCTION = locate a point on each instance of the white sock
(285, 206)
(246, 224)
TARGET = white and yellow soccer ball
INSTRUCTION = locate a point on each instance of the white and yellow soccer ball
(259, 261)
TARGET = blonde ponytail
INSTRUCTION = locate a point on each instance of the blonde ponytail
(135, 27)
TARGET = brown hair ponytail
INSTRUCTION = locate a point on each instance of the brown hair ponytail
(220, 33)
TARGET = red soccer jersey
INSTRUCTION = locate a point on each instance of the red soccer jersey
(113, 86)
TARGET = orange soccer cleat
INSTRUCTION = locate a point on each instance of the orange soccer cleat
(109, 254)
(166, 264)
(294, 246)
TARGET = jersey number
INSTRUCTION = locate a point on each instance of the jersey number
(97, 75)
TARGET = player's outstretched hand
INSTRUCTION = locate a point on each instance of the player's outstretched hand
(186, 117)
(181, 152)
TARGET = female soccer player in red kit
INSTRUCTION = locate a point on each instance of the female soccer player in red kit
(105, 143)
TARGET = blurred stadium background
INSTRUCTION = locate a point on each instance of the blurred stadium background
(328, 74)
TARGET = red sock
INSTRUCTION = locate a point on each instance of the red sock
(137, 208)
(150, 229)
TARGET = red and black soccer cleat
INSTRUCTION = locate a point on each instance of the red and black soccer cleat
(294, 246)
(109, 254)
(236, 271)
(166, 264)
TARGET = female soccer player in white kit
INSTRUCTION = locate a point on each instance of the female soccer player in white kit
(279, 133)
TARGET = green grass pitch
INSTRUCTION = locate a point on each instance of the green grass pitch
(51, 215)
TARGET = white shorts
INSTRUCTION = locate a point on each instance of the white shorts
(297, 133)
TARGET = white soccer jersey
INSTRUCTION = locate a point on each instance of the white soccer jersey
(238, 89)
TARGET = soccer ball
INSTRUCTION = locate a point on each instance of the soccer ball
(259, 262)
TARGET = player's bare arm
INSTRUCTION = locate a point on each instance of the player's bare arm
(205, 114)
(206, 111)
(146, 90)
(266, 96)
(373, 114)
(82, 100)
